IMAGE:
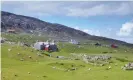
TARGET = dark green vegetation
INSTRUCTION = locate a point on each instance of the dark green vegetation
(42, 67)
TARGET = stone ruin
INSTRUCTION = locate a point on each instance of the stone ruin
(96, 59)
(128, 66)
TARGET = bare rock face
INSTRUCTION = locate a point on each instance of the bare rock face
(10, 20)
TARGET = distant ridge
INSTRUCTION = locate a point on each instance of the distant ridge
(25, 24)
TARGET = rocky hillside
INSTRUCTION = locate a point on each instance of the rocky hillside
(26, 24)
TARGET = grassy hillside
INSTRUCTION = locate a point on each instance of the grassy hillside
(51, 68)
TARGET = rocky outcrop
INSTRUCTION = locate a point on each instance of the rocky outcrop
(128, 66)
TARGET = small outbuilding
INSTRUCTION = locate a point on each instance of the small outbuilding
(38, 45)
(114, 46)
(11, 31)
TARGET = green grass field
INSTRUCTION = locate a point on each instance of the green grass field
(43, 67)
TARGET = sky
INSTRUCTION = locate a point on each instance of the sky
(112, 19)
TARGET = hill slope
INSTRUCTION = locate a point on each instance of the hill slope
(26, 24)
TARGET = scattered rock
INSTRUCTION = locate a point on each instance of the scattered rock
(73, 69)
(89, 69)
(109, 67)
(128, 66)
(21, 59)
(29, 56)
(28, 72)
(9, 49)
(53, 67)
(18, 53)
